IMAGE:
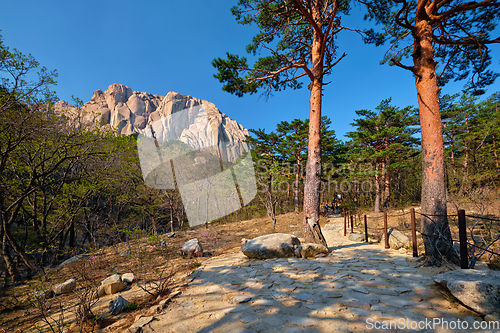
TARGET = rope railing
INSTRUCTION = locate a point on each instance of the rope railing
(460, 218)
(483, 218)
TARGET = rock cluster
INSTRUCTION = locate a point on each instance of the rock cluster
(111, 285)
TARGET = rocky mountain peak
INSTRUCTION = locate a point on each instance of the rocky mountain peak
(131, 111)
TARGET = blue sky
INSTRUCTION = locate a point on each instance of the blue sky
(162, 46)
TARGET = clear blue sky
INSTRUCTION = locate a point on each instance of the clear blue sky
(162, 46)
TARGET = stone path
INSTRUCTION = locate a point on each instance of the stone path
(354, 288)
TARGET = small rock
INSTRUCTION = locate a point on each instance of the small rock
(357, 237)
(163, 243)
(304, 321)
(116, 306)
(304, 297)
(240, 299)
(263, 302)
(141, 322)
(111, 285)
(64, 287)
(111, 279)
(128, 278)
(397, 239)
(492, 317)
(307, 250)
(171, 235)
(111, 288)
(123, 254)
(192, 248)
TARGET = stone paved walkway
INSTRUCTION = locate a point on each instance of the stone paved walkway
(355, 285)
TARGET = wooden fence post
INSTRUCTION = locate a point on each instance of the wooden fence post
(462, 235)
(414, 233)
(345, 225)
(385, 231)
(352, 224)
(366, 231)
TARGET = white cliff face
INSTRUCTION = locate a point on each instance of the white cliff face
(132, 111)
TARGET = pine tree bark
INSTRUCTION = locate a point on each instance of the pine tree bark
(387, 178)
(435, 227)
(377, 189)
(297, 183)
(310, 223)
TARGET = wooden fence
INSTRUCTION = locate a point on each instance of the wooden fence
(462, 231)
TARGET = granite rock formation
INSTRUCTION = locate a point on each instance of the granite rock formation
(130, 112)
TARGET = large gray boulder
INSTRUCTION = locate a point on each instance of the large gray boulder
(479, 290)
(64, 287)
(270, 246)
(397, 239)
(192, 248)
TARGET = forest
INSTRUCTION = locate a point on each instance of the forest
(67, 189)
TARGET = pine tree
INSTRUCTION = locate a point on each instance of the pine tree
(294, 145)
(380, 139)
(446, 40)
(300, 36)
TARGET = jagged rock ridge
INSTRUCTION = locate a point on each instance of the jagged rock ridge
(130, 111)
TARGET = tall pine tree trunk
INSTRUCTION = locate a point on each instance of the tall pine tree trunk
(297, 183)
(312, 185)
(435, 227)
(387, 179)
(494, 144)
(377, 189)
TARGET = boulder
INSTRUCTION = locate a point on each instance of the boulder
(116, 306)
(128, 278)
(357, 237)
(70, 260)
(307, 250)
(111, 279)
(397, 239)
(479, 290)
(111, 285)
(64, 287)
(270, 246)
(192, 248)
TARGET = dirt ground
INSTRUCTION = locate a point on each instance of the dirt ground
(19, 314)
